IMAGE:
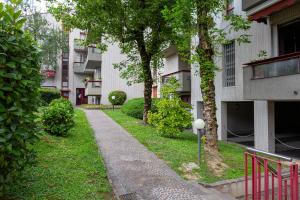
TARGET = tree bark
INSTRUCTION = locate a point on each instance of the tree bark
(147, 90)
(147, 75)
(205, 51)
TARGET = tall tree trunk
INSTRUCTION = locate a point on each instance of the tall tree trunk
(147, 89)
(147, 76)
(205, 51)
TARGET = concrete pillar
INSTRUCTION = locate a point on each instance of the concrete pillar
(223, 122)
(90, 100)
(264, 126)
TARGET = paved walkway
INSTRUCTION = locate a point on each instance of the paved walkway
(135, 172)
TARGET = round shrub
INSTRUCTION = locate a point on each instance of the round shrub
(48, 94)
(120, 97)
(135, 107)
(58, 117)
(172, 115)
(19, 96)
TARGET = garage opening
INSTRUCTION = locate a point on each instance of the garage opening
(240, 123)
(287, 128)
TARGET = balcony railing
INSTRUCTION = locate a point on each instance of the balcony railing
(284, 65)
(183, 77)
(93, 60)
(93, 88)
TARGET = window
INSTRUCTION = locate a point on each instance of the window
(289, 38)
(229, 64)
(229, 7)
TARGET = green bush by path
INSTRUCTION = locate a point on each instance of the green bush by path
(49, 94)
(120, 97)
(135, 107)
(58, 117)
(19, 96)
(172, 115)
(68, 168)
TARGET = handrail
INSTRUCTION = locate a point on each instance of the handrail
(269, 154)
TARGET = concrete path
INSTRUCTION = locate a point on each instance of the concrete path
(136, 173)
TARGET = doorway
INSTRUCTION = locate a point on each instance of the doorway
(80, 96)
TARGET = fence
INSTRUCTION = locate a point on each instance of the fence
(278, 184)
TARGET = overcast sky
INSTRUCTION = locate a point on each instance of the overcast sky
(40, 4)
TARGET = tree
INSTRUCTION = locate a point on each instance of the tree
(52, 40)
(196, 19)
(138, 26)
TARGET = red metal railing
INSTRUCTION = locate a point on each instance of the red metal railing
(276, 184)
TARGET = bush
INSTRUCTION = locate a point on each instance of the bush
(19, 96)
(135, 107)
(172, 114)
(120, 97)
(58, 118)
(47, 95)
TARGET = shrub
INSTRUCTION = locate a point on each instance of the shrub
(135, 107)
(48, 94)
(120, 97)
(172, 114)
(19, 97)
(58, 118)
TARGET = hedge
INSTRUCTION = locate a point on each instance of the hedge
(58, 117)
(135, 107)
(49, 94)
(19, 94)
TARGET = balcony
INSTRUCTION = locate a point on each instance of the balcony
(183, 77)
(78, 45)
(258, 10)
(94, 58)
(48, 73)
(276, 78)
(79, 68)
(93, 88)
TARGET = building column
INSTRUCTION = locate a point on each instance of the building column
(264, 126)
(223, 122)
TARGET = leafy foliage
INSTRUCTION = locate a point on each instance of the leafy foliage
(47, 95)
(172, 114)
(197, 19)
(52, 40)
(19, 96)
(135, 107)
(138, 27)
(58, 117)
(119, 97)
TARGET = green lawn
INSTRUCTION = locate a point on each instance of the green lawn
(181, 150)
(67, 168)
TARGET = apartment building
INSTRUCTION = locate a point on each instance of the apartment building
(258, 88)
(85, 75)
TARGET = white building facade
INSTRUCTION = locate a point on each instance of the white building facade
(86, 76)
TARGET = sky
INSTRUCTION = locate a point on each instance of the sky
(40, 4)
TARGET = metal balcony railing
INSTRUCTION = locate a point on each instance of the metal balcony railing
(284, 65)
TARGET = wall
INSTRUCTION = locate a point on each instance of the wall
(111, 77)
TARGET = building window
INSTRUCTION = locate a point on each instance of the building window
(289, 38)
(229, 7)
(229, 64)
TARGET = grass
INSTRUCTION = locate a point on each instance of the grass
(181, 150)
(67, 168)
